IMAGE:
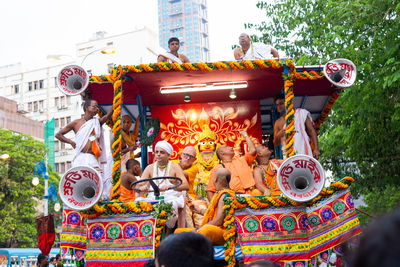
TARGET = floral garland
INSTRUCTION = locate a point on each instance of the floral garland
(231, 204)
(162, 211)
(325, 112)
(150, 132)
(289, 97)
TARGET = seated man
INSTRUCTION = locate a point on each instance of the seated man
(172, 56)
(164, 167)
(303, 128)
(133, 171)
(213, 221)
(265, 173)
(242, 177)
(128, 145)
(253, 51)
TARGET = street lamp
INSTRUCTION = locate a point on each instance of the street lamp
(105, 50)
(41, 171)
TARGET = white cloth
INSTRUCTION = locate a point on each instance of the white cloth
(107, 177)
(171, 57)
(166, 146)
(301, 139)
(84, 133)
(86, 159)
(174, 197)
(258, 51)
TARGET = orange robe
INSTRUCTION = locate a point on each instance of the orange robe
(213, 232)
(269, 176)
(242, 180)
(126, 194)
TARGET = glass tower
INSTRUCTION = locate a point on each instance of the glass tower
(187, 20)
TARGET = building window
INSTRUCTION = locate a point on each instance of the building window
(56, 123)
(56, 102)
(41, 105)
(58, 167)
(56, 145)
(62, 121)
(41, 84)
(35, 106)
(68, 120)
(62, 167)
(110, 66)
(110, 43)
(30, 106)
(16, 88)
(68, 100)
(62, 101)
(35, 85)
(30, 86)
(62, 145)
(68, 165)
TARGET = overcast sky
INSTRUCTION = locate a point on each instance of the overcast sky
(32, 29)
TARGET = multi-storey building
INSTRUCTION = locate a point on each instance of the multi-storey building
(38, 97)
(187, 20)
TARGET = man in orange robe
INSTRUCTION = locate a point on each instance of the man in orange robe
(212, 226)
(242, 180)
(265, 173)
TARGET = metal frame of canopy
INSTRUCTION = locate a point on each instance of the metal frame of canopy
(133, 90)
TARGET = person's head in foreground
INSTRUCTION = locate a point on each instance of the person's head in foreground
(380, 244)
(263, 263)
(186, 249)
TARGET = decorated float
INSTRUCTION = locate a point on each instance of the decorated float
(207, 105)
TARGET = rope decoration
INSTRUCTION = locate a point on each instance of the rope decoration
(289, 97)
(231, 204)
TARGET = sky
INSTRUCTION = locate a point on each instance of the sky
(31, 30)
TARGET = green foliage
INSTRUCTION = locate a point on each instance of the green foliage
(18, 197)
(361, 136)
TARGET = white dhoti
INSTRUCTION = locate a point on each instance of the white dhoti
(301, 139)
(258, 51)
(86, 159)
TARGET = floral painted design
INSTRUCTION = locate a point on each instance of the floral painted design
(74, 218)
(113, 231)
(349, 201)
(269, 224)
(130, 231)
(97, 232)
(304, 221)
(288, 223)
(327, 214)
(146, 229)
(313, 220)
(339, 207)
(251, 225)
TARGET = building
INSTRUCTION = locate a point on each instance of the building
(38, 97)
(187, 20)
(11, 118)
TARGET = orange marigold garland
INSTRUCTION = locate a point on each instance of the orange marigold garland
(289, 97)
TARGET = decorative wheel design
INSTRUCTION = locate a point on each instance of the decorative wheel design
(349, 201)
(97, 232)
(269, 224)
(327, 214)
(251, 225)
(288, 223)
(304, 222)
(299, 264)
(339, 207)
(313, 220)
(74, 218)
(130, 231)
(113, 231)
(146, 229)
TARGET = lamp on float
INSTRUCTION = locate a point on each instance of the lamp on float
(187, 98)
(5, 157)
(203, 87)
(232, 94)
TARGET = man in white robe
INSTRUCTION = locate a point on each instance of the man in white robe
(253, 51)
(164, 167)
(89, 139)
(303, 127)
(172, 55)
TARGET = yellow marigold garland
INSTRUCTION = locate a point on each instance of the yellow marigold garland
(116, 174)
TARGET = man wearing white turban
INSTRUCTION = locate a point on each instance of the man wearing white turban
(164, 167)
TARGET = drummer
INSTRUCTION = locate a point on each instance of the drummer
(164, 167)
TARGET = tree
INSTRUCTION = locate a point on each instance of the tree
(17, 194)
(361, 136)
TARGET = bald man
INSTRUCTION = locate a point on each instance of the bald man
(213, 222)
(252, 51)
(128, 145)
